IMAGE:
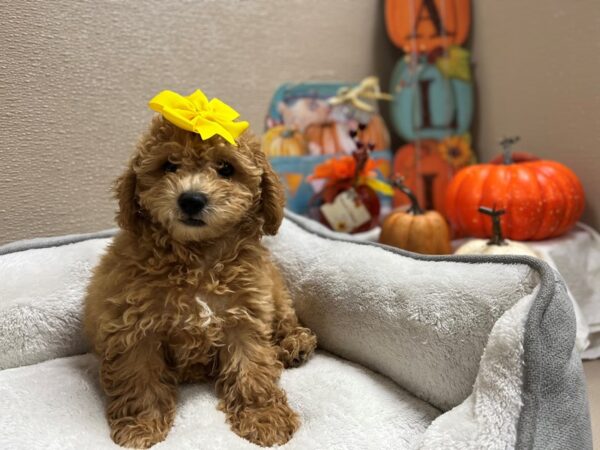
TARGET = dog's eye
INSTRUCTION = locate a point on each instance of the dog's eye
(225, 169)
(170, 167)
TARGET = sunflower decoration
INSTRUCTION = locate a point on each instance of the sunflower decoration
(457, 150)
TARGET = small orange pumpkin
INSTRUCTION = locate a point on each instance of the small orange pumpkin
(416, 230)
(283, 141)
(420, 26)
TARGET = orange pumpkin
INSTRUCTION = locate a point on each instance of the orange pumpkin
(425, 172)
(420, 26)
(328, 138)
(375, 133)
(543, 199)
(283, 141)
(416, 230)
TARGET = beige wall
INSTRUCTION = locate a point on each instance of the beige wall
(75, 78)
(538, 73)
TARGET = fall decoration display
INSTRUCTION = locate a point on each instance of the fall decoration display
(497, 245)
(415, 230)
(543, 199)
(433, 95)
(424, 25)
(283, 141)
(310, 123)
(348, 202)
(299, 106)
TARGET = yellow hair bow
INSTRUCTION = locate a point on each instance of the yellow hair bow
(195, 113)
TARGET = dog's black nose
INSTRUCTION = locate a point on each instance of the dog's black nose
(192, 203)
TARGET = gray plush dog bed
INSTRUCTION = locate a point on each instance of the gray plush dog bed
(416, 352)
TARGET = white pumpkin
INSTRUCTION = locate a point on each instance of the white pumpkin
(483, 247)
(497, 245)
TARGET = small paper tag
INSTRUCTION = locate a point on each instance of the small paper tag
(347, 212)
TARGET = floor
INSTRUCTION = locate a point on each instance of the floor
(592, 374)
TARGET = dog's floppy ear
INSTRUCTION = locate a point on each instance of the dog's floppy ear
(272, 197)
(125, 193)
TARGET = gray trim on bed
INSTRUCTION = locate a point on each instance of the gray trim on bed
(57, 241)
(555, 413)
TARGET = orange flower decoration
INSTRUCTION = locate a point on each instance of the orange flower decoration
(343, 168)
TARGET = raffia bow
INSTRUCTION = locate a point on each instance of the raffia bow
(367, 89)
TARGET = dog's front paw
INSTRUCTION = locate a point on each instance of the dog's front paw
(297, 347)
(268, 425)
(131, 432)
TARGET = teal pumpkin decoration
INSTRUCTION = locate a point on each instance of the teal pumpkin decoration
(427, 103)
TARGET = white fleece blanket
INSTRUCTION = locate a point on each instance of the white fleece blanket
(59, 405)
(487, 418)
(422, 323)
(449, 333)
(576, 255)
(41, 302)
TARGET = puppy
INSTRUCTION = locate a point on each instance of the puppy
(187, 293)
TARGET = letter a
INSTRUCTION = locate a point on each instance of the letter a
(431, 15)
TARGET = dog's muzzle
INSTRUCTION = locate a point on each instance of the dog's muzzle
(192, 204)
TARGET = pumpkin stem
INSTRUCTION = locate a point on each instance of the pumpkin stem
(497, 238)
(507, 144)
(415, 208)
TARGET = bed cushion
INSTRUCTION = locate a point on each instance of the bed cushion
(58, 405)
(424, 323)
(537, 397)
(41, 297)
